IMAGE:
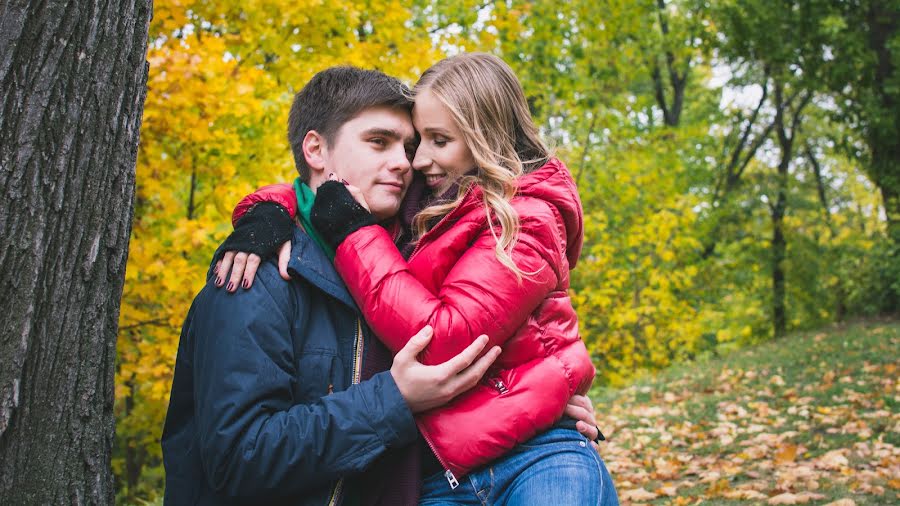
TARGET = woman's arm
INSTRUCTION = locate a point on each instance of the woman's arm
(279, 193)
(263, 222)
(479, 295)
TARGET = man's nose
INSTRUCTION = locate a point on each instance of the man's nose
(400, 160)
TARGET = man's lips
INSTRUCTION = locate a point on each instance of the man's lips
(393, 184)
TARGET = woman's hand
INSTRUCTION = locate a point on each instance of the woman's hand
(240, 267)
(581, 409)
(338, 211)
(354, 191)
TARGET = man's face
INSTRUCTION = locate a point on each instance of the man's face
(372, 152)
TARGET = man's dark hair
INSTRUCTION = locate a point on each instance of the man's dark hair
(333, 97)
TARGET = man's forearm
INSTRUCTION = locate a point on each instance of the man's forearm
(294, 451)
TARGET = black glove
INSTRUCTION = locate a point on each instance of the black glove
(336, 214)
(261, 230)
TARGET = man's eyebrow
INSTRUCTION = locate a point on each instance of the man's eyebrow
(390, 133)
(384, 132)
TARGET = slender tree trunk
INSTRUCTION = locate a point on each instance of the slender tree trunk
(73, 79)
(678, 82)
(785, 135)
(779, 253)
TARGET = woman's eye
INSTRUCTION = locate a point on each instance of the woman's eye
(439, 142)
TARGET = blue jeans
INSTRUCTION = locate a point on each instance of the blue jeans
(557, 467)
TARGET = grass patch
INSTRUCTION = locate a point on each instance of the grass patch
(809, 418)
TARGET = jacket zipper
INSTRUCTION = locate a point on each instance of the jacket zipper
(501, 387)
(498, 384)
(357, 374)
(448, 474)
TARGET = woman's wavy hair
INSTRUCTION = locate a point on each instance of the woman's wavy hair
(487, 103)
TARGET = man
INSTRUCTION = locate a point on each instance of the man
(280, 393)
(267, 405)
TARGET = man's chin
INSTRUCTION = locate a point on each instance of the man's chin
(385, 212)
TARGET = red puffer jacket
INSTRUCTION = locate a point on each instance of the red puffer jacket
(454, 282)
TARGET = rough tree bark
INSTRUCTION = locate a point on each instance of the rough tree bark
(73, 77)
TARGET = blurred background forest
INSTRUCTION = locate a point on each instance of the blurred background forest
(738, 162)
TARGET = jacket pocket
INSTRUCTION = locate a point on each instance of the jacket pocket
(318, 375)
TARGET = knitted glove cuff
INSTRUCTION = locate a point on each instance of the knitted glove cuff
(261, 230)
(336, 214)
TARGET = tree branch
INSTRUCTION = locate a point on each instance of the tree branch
(584, 151)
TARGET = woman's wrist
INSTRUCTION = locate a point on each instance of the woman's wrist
(336, 214)
(262, 229)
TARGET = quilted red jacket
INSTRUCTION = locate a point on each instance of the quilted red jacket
(454, 282)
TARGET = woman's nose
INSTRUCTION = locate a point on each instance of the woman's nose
(421, 160)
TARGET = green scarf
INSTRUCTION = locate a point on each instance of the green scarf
(305, 199)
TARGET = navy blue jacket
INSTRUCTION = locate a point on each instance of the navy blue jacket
(266, 404)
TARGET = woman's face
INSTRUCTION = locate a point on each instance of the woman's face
(443, 155)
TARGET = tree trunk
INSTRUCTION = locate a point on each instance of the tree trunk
(779, 252)
(785, 135)
(73, 77)
(779, 243)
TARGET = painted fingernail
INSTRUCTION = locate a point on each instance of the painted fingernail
(218, 281)
(344, 181)
(216, 270)
(230, 286)
(246, 284)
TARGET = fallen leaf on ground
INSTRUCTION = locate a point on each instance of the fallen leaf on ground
(834, 460)
(789, 498)
(785, 455)
(668, 491)
(639, 494)
(745, 494)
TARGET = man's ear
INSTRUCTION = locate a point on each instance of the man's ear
(315, 151)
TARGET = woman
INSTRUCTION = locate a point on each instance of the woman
(495, 226)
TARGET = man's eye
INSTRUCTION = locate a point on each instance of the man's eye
(378, 141)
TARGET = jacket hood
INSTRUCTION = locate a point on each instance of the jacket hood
(553, 184)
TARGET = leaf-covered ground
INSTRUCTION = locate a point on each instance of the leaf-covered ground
(812, 418)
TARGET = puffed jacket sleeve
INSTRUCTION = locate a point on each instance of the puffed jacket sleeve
(479, 295)
(280, 193)
(255, 441)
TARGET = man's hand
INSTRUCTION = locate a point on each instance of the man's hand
(581, 409)
(424, 387)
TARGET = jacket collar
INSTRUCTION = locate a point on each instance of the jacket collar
(310, 262)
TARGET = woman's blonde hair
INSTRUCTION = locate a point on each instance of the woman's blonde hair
(487, 103)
